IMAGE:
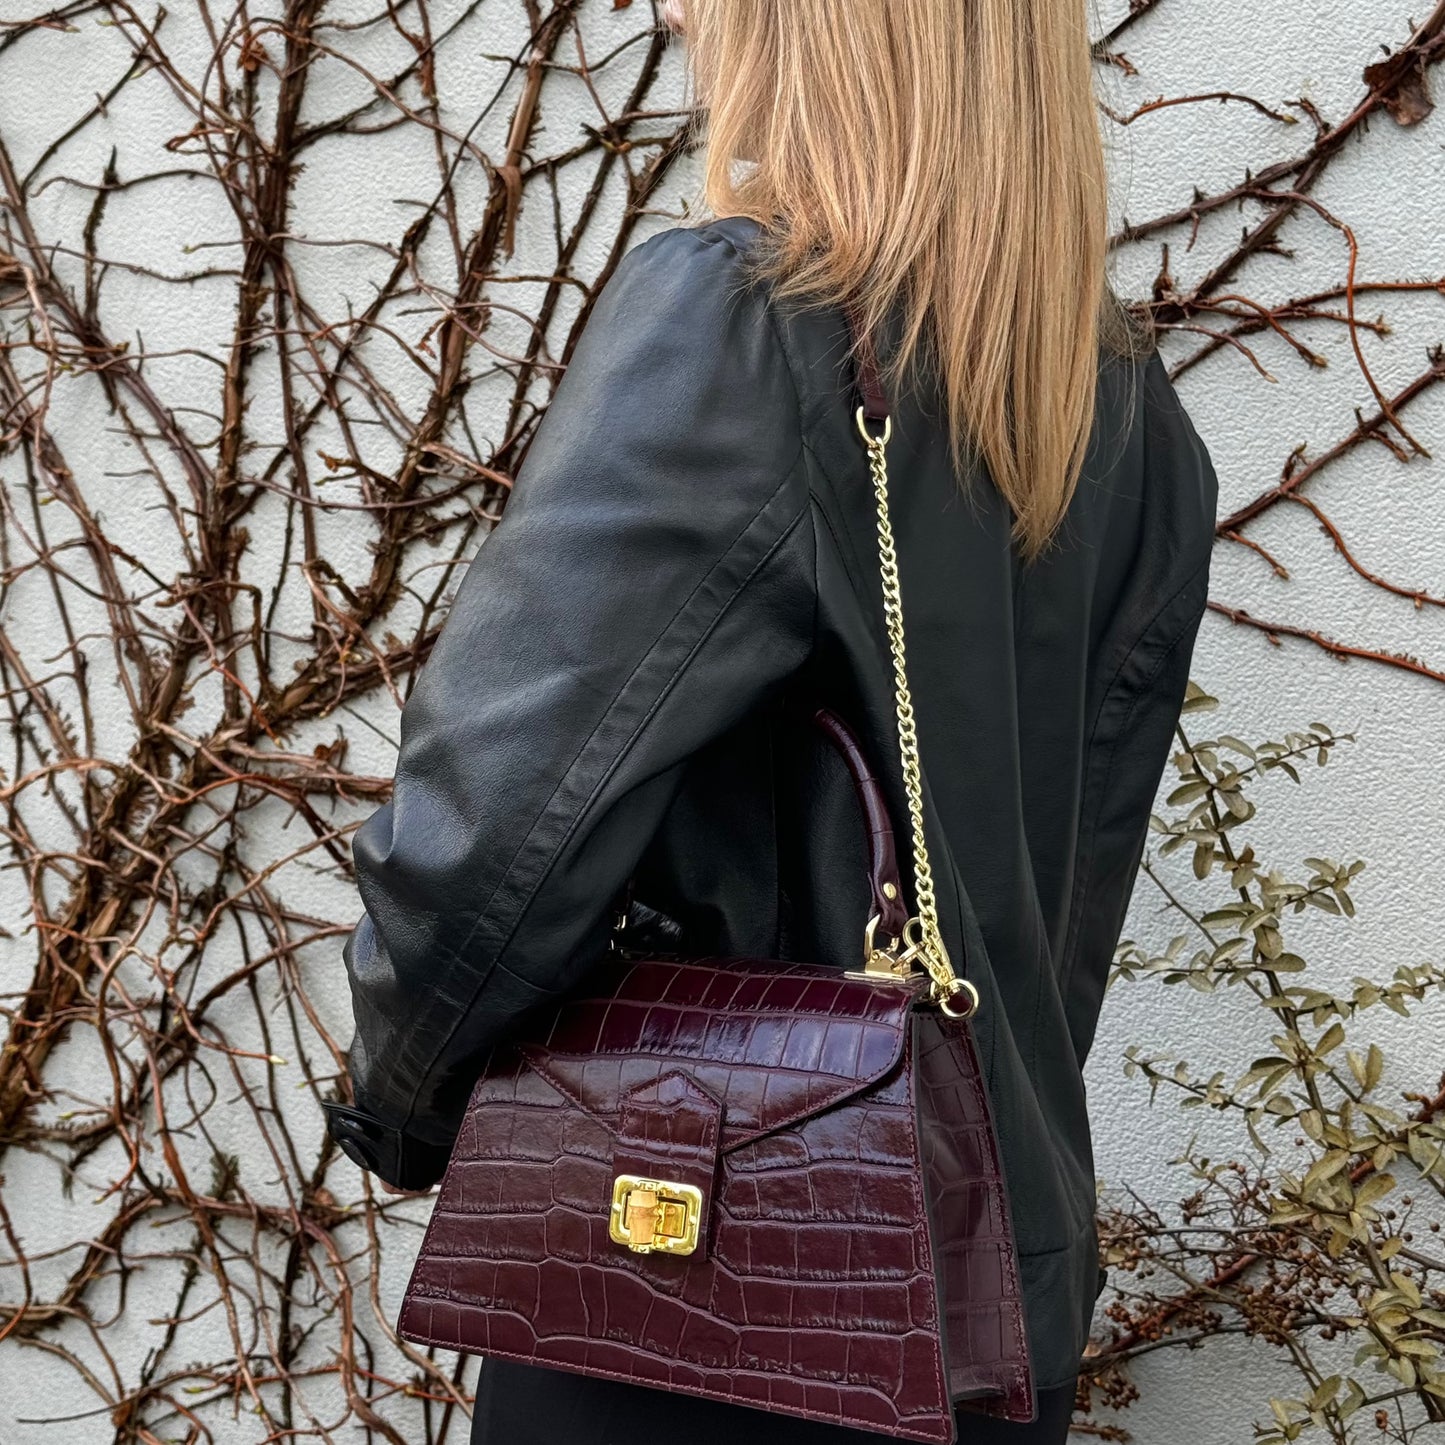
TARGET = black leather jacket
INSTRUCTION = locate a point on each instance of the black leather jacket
(688, 557)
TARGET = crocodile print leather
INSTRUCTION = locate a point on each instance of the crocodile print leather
(857, 1265)
(883, 882)
(968, 1213)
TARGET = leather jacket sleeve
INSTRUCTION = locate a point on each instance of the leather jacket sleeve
(652, 579)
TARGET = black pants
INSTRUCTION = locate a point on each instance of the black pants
(525, 1405)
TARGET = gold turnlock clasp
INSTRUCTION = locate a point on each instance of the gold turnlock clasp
(655, 1216)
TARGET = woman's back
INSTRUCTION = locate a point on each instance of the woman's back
(688, 563)
(1046, 694)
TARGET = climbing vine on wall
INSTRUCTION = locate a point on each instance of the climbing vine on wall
(285, 286)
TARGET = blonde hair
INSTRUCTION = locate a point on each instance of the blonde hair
(943, 155)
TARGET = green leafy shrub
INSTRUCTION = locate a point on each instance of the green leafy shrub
(1321, 1235)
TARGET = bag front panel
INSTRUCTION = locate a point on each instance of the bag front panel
(816, 1293)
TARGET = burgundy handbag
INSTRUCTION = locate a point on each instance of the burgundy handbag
(772, 1184)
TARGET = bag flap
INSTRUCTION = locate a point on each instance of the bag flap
(774, 1042)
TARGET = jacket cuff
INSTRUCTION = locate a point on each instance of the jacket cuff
(401, 1160)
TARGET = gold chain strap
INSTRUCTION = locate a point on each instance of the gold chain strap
(922, 941)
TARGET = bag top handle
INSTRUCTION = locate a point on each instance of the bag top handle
(890, 913)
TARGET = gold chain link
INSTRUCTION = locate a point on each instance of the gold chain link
(922, 939)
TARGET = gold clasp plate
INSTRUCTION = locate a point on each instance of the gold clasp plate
(899, 963)
(882, 963)
(655, 1215)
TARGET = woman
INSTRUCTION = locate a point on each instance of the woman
(690, 552)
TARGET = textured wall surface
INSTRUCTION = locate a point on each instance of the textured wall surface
(277, 311)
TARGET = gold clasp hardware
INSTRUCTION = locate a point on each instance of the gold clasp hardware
(881, 963)
(905, 958)
(655, 1215)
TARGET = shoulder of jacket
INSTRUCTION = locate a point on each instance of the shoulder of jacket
(680, 343)
(692, 270)
(685, 307)
(726, 241)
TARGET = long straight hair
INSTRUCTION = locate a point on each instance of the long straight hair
(942, 156)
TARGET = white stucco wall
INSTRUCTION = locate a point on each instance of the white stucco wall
(1381, 799)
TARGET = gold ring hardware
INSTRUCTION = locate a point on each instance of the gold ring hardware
(883, 438)
(655, 1216)
(881, 964)
(945, 996)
